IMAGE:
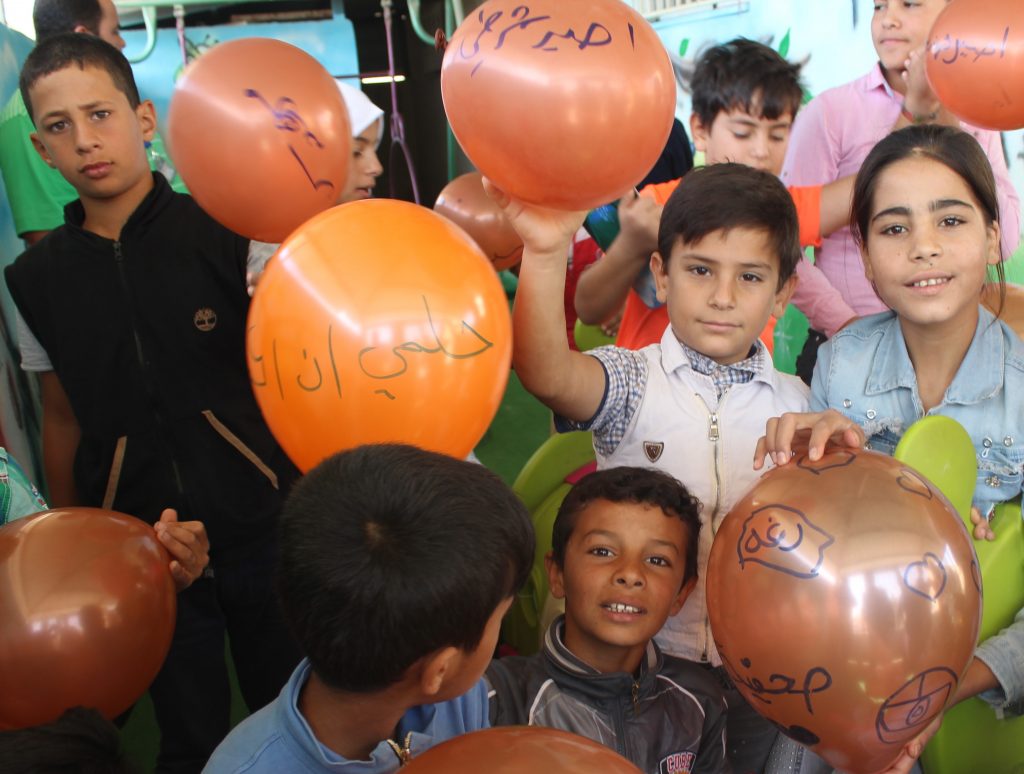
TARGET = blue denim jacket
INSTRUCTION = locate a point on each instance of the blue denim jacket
(864, 372)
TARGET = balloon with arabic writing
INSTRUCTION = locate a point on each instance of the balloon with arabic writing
(975, 62)
(521, 749)
(259, 132)
(87, 610)
(378, 321)
(465, 203)
(844, 601)
(562, 103)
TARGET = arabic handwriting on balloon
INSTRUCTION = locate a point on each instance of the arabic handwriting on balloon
(950, 49)
(288, 119)
(784, 685)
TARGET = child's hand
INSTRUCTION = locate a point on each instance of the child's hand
(919, 100)
(639, 218)
(824, 426)
(187, 543)
(982, 529)
(542, 230)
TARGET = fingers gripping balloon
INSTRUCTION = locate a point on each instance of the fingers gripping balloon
(845, 602)
(562, 103)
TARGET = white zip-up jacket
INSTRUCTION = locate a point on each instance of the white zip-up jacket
(659, 412)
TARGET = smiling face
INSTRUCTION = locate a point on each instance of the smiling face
(744, 138)
(87, 129)
(901, 26)
(928, 245)
(721, 290)
(621, 579)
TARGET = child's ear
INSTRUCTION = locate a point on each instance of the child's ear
(41, 149)
(994, 251)
(436, 667)
(660, 271)
(783, 295)
(556, 584)
(699, 133)
(146, 113)
(683, 595)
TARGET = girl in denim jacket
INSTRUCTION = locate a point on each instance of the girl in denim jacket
(926, 217)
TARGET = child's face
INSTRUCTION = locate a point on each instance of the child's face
(743, 138)
(86, 129)
(901, 26)
(928, 245)
(721, 290)
(364, 168)
(622, 578)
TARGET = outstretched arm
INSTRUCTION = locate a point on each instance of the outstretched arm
(569, 383)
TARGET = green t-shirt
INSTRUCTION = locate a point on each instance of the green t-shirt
(36, 191)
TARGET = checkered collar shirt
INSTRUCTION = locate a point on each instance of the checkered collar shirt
(724, 376)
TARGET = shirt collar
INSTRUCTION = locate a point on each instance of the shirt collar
(979, 377)
(676, 355)
(875, 79)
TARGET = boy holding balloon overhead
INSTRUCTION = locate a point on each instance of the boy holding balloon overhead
(692, 405)
(134, 313)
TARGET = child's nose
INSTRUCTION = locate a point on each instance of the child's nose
(629, 574)
(723, 295)
(926, 244)
(86, 137)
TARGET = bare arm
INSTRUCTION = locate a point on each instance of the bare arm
(31, 237)
(836, 199)
(603, 287)
(61, 435)
(569, 383)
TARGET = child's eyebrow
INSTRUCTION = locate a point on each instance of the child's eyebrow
(901, 211)
(763, 265)
(944, 204)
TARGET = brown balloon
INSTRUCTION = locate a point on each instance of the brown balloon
(259, 133)
(465, 203)
(843, 603)
(519, 750)
(562, 104)
(87, 607)
(975, 62)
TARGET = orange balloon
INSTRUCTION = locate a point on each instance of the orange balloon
(378, 321)
(845, 600)
(562, 103)
(87, 607)
(975, 62)
(465, 203)
(520, 750)
(259, 133)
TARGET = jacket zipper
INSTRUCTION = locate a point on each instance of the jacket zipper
(141, 357)
(715, 436)
(636, 696)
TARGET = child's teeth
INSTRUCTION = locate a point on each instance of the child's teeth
(927, 282)
(615, 607)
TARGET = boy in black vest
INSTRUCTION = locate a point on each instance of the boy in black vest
(134, 314)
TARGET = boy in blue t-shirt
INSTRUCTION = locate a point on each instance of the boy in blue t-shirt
(396, 567)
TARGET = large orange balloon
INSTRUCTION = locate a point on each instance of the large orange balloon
(845, 601)
(520, 750)
(562, 103)
(465, 203)
(87, 607)
(260, 134)
(975, 61)
(378, 321)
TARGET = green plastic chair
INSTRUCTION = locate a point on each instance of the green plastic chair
(590, 337)
(542, 484)
(972, 740)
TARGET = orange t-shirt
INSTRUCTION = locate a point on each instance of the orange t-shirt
(642, 325)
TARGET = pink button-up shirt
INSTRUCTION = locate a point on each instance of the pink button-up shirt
(831, 138)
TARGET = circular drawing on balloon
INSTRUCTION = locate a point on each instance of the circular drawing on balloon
(914, 705)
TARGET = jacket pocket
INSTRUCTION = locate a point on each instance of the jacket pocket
(224, 432)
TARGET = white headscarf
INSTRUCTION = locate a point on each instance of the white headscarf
(362, 113)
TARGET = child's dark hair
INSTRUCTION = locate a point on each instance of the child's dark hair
(72, 48)
(747, 75)
(390, 553)
(725, 196)
(955, 149)
(52, 17)
(81, 741)
(641, 486)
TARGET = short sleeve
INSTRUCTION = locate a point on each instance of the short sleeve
(33, 356)
(625, 383)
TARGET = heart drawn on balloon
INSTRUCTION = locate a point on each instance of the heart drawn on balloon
(829, 461)
(926, 578)
(913, 482)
